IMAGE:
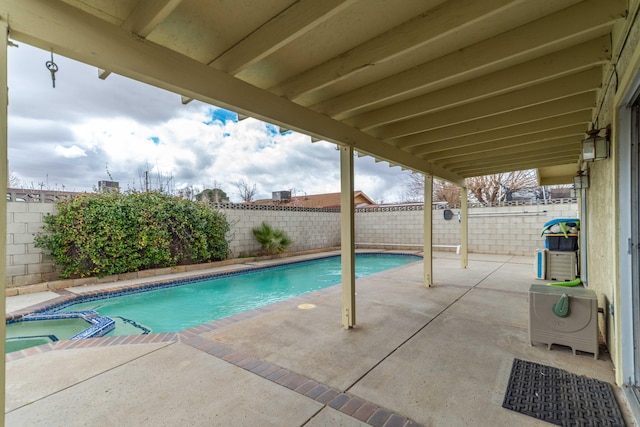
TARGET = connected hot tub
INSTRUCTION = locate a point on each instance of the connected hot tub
(43, 328)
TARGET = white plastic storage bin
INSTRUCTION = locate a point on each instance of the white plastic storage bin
(561, 266)
(578, 328)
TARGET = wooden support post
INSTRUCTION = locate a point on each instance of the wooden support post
(428, 230)
(4, 175)
(347, 240)
(464, 233)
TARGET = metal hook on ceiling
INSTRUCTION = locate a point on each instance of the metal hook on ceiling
(53, 69)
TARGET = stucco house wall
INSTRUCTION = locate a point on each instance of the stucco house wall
(603, 238)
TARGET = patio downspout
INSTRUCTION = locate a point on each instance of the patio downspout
(464, 232)
(584, 268)
(347, 231)
(4, 173)
(428, 230)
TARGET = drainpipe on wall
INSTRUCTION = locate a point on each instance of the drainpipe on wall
(583, 237)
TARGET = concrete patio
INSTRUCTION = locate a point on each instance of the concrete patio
(438, 356)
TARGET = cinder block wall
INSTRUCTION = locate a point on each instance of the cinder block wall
(509, 230)
(513, 230)
(308, 228)
(27, 264)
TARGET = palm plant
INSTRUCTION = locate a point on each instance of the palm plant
(273, 241)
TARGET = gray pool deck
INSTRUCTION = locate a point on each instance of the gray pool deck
(438, 356)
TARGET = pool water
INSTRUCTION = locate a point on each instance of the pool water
(21, 335)
(181, 307)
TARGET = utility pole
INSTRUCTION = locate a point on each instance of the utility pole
(146, 181)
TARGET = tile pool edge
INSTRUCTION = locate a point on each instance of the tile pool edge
(67, 298)
(183, 335)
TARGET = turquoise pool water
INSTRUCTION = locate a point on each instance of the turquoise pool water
(48, 327)
(21, 335)
(181, 307)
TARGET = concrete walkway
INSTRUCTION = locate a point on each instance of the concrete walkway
(438, 356)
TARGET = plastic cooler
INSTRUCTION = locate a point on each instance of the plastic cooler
(560, 242)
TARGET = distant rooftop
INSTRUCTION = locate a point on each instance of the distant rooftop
(328, 200)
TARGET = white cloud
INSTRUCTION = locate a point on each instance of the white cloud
(70, 152)
(86, 130)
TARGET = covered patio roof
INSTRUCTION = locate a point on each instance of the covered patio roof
(454, 89)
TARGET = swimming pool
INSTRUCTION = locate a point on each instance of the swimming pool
(191, 303)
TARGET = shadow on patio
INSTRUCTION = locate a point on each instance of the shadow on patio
(433, 356)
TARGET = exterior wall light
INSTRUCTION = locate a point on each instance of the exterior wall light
(581, 180)
(595, 147)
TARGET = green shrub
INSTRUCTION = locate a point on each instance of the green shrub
(111, 233)
(272, 241)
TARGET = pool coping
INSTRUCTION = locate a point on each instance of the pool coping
(67, 298)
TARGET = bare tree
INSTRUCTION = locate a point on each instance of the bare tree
(443, 191)
(188, 192)
(485, 189)
(414, 188)
(14, 181)
(496, 188)
(246, 191)
(155, 182)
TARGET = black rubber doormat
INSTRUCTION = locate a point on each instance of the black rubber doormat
(560, 397)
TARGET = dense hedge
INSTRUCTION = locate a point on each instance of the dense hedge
(111, 233)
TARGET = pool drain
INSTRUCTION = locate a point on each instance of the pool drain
(306, 306)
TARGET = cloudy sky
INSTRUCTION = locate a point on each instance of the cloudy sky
(87, 130)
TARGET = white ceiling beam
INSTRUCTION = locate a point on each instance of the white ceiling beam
(583, 101)
(438, 140)
(147, 15)
(103, 74)
(585, 20)
(562, 156)
(584, 81)
(49, 24)
(558, 179)
(558, 64)
(301, 17)
(401, 40)
(554, 175)
(540, 155)
(517, 165)
(453, 148)
(546, 148)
